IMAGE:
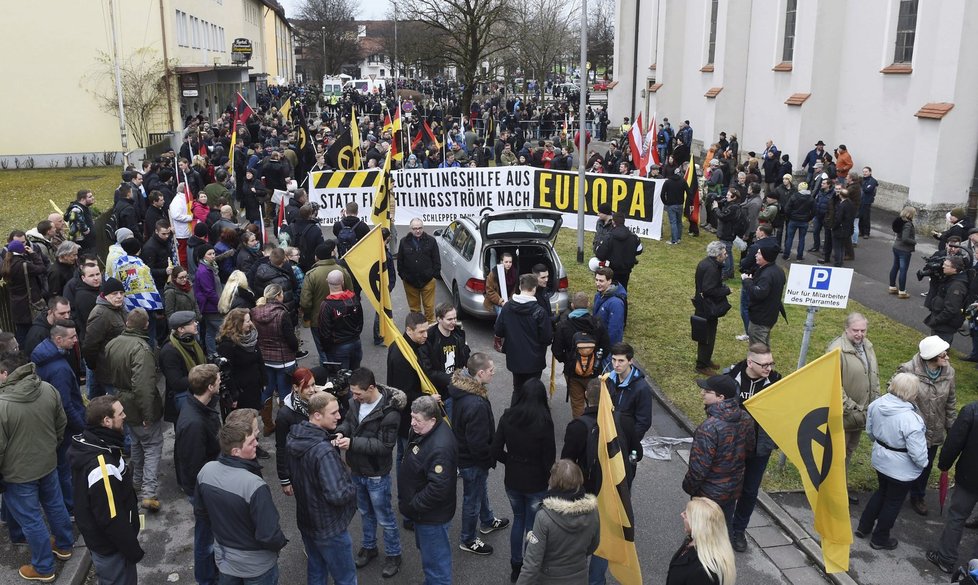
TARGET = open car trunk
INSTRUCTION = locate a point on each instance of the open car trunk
(525, 257)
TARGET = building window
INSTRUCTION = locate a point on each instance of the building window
(790, 13)
(712, 49)
(181, 25)
(906, 31)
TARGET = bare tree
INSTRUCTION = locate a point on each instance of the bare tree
(414, 47)
(330, 26)
(541, 33)
(471, 31)
(143, 74)
(601, 34)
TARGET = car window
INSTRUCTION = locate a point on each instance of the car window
(449, 232)
(502, 228)
(462, 240)
(468, 249)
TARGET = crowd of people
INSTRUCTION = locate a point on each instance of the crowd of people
(191, 320)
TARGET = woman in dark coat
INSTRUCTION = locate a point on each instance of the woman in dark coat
(252, 192)
(524, 443)
(23, 271)
(237, 341)
(705, 556)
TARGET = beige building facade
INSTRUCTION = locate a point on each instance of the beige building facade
(63, 58)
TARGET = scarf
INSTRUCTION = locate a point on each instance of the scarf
(249, 340)
(185, 287)
(185, 349)
(299, 405)
(218, 285)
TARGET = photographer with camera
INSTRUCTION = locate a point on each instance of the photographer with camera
(947, 298)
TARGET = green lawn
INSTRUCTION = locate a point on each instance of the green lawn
(26, 192)
(658, 328)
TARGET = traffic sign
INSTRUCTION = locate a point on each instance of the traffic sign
(818, 286)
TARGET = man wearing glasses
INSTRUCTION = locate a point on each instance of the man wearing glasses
(752, 375)
(860, 380)
(417, 264)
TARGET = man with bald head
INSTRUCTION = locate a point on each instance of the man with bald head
(58, 235)
(340, 324)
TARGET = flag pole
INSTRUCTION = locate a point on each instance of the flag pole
(806, 339)
(582, 146)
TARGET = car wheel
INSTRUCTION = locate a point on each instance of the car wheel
(456, 298)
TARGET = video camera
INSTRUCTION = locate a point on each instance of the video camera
(933, 267)
(227, 396)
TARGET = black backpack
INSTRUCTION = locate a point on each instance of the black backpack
(307, 256)
(585, 354)
(347, 238)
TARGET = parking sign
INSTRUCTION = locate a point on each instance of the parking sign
(818, 286)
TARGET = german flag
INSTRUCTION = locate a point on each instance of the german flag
(396, 153)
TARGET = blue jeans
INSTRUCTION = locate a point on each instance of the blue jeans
(96, 388)
(475, 501)
(212, 324)
(436, 552)
(374, 503)
(525, 508)
(855, 230)
(347, 354)
(330, 557)
(270, 577)
(25, 502)
(901, 264)
(728, 263)
(596, 570)
(818, 222)
(319, 345)
(205, 568)
(64, 475)
(675, 213)
(800, 227)
(280, 380)
(753, 474)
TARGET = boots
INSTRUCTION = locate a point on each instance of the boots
(266, 417)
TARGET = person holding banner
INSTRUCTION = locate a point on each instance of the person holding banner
(501, 283)
(399, 370)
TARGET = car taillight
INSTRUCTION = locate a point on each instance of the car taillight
(563, 284)
(475, 285)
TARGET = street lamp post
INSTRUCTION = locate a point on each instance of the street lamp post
(323, 32)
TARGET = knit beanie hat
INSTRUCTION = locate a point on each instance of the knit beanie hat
(111, 285)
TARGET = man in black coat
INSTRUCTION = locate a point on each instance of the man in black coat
(418, 263)
(154, 213)
(842, 217)
(125, 210)
(961, 445)
(620, 249)
(765, 288)
(400, 371)
(711, 296)
(527, 331)
(157, 253)
(673, 197)
(574, 333)
(947, 300)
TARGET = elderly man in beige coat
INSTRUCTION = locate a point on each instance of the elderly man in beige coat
(860, 380)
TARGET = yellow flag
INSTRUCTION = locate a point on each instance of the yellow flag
(355, 140)
(380, 213)
(234, 140)
(803, 414)
(286, 109)
(617, 543)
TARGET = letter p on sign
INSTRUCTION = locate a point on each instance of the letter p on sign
(820, 278)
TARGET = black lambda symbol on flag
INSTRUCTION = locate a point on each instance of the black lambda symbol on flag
(344, 159)
(376, 270)
(809, 432)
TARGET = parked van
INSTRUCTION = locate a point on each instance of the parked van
(334, 85)
(366, 86)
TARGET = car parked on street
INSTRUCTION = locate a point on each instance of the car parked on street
(471, 246)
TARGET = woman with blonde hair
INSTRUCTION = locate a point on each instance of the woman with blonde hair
(705, 556)
(903, 246)
(237, 294)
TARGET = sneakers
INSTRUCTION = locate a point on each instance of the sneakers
(497, 524)
(301, 354)
(903, 295)
(364, 556)
(28, 572)
(919, 506)
(933, 557)
(476, 547)
(892, 290)
(743, 337)
(391, 566)
(151, 505)
(739, 541)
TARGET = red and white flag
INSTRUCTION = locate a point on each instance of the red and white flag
(651, 144)
(635, 143)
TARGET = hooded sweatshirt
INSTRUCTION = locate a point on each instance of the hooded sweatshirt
(565, 533)
(528, 332)
(32, 423)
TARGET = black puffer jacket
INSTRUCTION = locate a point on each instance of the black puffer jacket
(372, 439)
(195, 441)
(945, 308)
(156, 254)
(428, 478)
(527, 330)
(572, 323)
(472, 421)
(417, 260)
(800, 207)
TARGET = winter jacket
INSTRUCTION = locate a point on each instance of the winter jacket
(157, 253)
(53, 367)
(860, 385)
(276, 335)
(565, 533)
(620, 249)
(175, 373)
(612, 307)
(748, 261)
(845, 212)
(428, 477)
(936, 399)
(528, 332)
(946, 306)
(800, 207)
(401, 372)
(602, 231)
(372, 439)
(731, 221)
(21, 292)
(130, 365)
(246, 258)
(579, 320)
(752, 211)
(673, 190)
(906, 239)
(106, 509)
(685, 568)
(418, 260)
(898, 435)
(528, 451)
(267, 273)
(962, 445)
(632, 398)
(765, 290)
(577, 437)
(289, 414)
(83, 299)
(325, 495)
(493, 297)
(81, 225)
(720, 445)
(340, 319)
(315, 287)
(763, 443)
(245, 522)
(195, 441)
(105, 323)
(446, 355)
(709, 285)
(126, 216)
(175, 300)
(472, 421)
(32, 424)
(247, 369)
(207, 289)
